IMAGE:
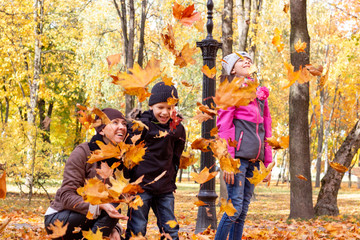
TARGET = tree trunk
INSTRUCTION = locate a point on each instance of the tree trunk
(142, 33)
(327, 199)
(256, 9)
(243, 9)
(320, 138)
(301, 191)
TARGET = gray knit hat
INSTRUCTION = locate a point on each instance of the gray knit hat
(161, 92)
(231, 59)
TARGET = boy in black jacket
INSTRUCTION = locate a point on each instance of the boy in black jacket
(162, 154)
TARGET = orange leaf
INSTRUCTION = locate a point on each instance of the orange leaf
(214, 131)
(3, 185)
(135, 204)
(58, 229)
(201, 144)
(187, 159)
(89, 235)
(227, 207)
(338, 167)
(187, 16)
(172, 101)
(113, 60)
(300, 46)
(90, 216)
(203, 176)
(136, 82)
(313, 70)
(169, 39)
(200, 203)
(118, 183)
(232, 143)
(305, 75)
(275, 144)
(167, 80)
(138, 125)
(199, 25)
(161, 134)
(104, 171)
(301, 177)
(210, 73)
(134, 155)
(107, 151)
(230, 94)
(260, 173)
(206, 109)
(172, 223)
(202, 117)
(277, 40)
(286, 7)
(135, 138)
(184, 58)
(292, 76)
(94, 191)
(186, 84)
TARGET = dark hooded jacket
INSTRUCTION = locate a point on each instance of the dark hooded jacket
(162, 154)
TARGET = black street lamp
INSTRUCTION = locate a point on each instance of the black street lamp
(209, 46)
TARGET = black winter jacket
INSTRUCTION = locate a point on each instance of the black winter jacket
(162, 154)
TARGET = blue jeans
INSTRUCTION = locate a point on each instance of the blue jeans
(240, 194)
(163, 208)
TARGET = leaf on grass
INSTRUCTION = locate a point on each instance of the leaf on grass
(3, 185)
(200, 203)
(210, 73)
(136, 82)
(229, 94)
(301, 177)
(260, 174)
(227, 207)
(58, 229)
(277, 40)
(300, 46)
(187, 159)
(184, 58)
(89, 235)
(338, 167)
(186, 15)
(203, 176)
(104, 171)
(172, 223)
(201, 144)
(113, 60)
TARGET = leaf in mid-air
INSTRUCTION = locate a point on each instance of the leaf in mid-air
(162, 134)
(94, 191)
(184, 58)
(134, 155)
(228, 207)
(167, 80)
(138, 125)
(185, 15)
(104, 171)
(214, 131)
(168, 39)
(301, 177)
(277, 40)
(206, 109)
(172, 223)
(113, 60)
(275, 144)
(291, 75)
(210, 73)
(202, 117)
(203, 176)
(136, 203)
(300, 46)
(338, 167)
(200, 203)
(58, 229)
(201, 144)
(187, 159)
(260, 174)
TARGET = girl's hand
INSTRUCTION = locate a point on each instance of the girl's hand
(114, 235)
(111, 211)
(229, 177)
(268, 178)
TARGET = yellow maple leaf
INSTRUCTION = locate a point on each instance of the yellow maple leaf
(167, 80)
(300, 46)
(89, 235)
(291, 75)
(58, 229)
(134, 155)
(187, 159)
(94, 191)
(201, 144)
(172, 101)
(202, 117)
(231, 94)
(136, 203)
(104, 171)
(206, 109)
(184, 58)
(203, 176)
(138, 125)
(199, 25)
(113, 60)
(118, 182)
(275, 144)
(90, 215)
(210, 73)
(107, 151)
(200, 203)
(162, 134)
(228, 207)
(172, 223)
(139, 78)
(338, 167)
(260, 174)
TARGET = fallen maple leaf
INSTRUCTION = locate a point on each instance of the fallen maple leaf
(338, 167)
(184, 58)
(260, 173)
(300, 46)
(187, 159)
(227, 207)
(58, 229)
(301, 177)
(136, 82)
(113, 60)
(210, 73)
(203, 176)
(3, 185)
(89, 235)
(187, 16)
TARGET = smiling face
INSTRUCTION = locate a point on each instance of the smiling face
(162, 111)
(241, 67)
(115, 131)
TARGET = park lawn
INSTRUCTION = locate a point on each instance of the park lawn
(267, 217)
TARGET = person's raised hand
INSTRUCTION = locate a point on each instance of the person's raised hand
(111, 211)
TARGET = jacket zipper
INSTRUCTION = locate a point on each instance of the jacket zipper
(257, 128)
(239, 141)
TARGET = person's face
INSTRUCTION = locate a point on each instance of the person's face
(162, 111)
(115, 131)
(242, 67)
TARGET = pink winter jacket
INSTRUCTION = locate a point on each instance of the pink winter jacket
(250, 126)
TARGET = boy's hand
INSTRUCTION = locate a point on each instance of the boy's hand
(229, 177)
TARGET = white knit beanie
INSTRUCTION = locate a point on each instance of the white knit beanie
(231, 59)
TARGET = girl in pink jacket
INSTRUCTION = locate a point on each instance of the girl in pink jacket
(250, 126)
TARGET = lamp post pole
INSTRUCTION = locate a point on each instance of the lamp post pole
(207, 214)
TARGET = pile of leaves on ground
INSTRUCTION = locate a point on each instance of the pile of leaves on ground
(267, 217)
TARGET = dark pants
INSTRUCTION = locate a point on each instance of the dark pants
(75, 219)
(163, 208)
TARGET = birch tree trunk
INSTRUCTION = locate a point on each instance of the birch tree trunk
(301, 191)
(243, 9)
